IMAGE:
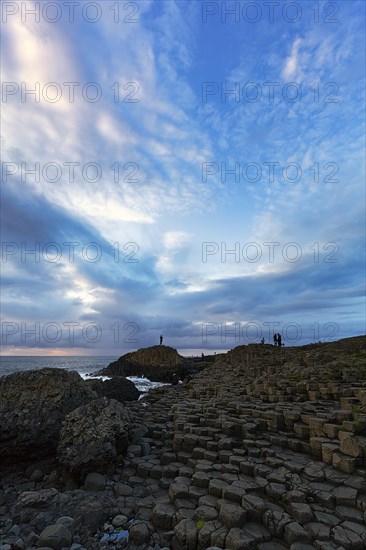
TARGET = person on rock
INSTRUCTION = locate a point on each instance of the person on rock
(279, 340)
(161, 339)
(275, 339)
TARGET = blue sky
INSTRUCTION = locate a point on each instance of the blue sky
(241, 132)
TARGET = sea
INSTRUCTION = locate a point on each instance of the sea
(83, 364)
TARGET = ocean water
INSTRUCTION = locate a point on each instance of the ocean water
(84, 365)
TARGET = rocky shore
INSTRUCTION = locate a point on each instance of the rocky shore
(264, 449)
(158, 363)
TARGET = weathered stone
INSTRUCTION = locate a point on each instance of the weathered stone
(325, 499)
(232, 515)
(301, 512)
(346, 513)
(178, 491)
(94, 482)
(257, 531)
(350, 445)
(200, 479)
(33, 405)
(275, 491)
(345, 496)
(294, 532)
(55, 536)
(218, 537)
(204, 533)
(318, 531)
(158, 363)
(205, 513)
(123, 490)
(139, 533)
(187, 533)
(347, 539)
(276, 522)
(328, 449)
(344, 462)
(94, 435)
(119, 521)
(216, 487)
(254, 506)
(162, 516)
(238, 539)
(119, 388)
(233, 493)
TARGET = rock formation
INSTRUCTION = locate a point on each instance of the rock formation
(93, 436)
(119, 388)
(157, 363)
(33, 405)
(264, 450)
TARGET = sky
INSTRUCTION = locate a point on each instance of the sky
(185, 168)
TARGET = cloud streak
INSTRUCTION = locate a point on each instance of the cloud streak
(151, 202)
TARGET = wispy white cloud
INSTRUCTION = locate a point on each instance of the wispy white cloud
(291, 67)
(169, 133)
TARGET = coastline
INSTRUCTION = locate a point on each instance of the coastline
(263, 451)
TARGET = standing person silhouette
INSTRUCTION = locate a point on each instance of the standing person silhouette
(279, 339)
(275, 339)
(161, 339)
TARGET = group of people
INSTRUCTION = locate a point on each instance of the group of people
(277, 339)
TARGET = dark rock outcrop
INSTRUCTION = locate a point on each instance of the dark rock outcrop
(94, 436)
(119, 388)
(157, 363)
(33, 405)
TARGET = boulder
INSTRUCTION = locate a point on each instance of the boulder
(119, 388)
(55, 536)
(33, 405)
(94, 436)
(94, 482)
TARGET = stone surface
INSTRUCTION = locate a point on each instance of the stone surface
(120, 388)
(94, 482)
(255, 464)
(55, 536)
(94, 435)
(33, 405)
(158, 363)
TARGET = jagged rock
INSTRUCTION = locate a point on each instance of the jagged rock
(120, 388)
(163, 515)
(33, 405)
(93, 436)
(187, 533)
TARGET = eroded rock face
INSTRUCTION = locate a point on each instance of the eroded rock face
(155, 356)
(157, 363)
(93, 436)
(119, 388)
(33, 405)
